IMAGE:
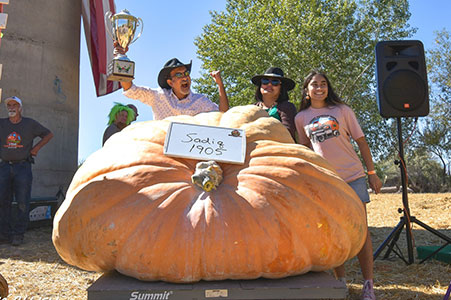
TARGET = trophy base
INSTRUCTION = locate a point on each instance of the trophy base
(121, 70)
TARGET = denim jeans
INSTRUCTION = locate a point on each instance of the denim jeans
(359, 187)
(15, 183)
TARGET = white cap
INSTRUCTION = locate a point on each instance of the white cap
(13, 98)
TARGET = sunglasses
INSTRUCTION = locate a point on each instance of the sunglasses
(181, 74)
(274, 82)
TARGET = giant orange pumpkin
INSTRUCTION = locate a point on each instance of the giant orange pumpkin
(133, 209)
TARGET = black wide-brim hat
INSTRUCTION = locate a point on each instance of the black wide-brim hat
(168, 67)
(275, 72)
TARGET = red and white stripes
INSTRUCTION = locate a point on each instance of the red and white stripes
(99, 43)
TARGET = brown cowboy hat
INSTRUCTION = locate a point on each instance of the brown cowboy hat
(275, 72)
(168, 67)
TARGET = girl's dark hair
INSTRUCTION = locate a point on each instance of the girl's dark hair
(332, 98)
(283, 96)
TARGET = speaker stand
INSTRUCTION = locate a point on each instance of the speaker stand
(406, 220)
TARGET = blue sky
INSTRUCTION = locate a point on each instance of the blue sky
(169, 31)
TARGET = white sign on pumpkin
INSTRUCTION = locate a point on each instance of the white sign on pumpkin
(204, 142)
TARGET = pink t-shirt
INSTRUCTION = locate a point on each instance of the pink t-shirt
(329, 129)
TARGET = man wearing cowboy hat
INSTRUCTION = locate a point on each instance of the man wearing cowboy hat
(174, 97)
(17, 134)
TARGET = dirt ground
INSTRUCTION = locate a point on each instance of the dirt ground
(35, 271)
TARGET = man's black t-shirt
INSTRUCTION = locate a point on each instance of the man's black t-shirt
(16, 140)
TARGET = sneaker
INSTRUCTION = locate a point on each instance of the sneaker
(17, 240)
(368, 291)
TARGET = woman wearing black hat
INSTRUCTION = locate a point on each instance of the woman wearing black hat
(272, 95)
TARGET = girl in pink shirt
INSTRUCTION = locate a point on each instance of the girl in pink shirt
(326, 125)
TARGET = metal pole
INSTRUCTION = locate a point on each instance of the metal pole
(405, 200)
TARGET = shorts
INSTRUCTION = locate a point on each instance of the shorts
(359, 187)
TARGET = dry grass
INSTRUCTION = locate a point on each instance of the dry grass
(35, 270)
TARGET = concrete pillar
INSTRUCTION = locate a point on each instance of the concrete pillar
(40, 53)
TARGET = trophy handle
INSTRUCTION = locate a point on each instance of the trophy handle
(108, 24)
(141, 25)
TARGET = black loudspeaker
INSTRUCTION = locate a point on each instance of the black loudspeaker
(402, 88)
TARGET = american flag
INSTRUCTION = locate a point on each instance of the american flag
(100, 45)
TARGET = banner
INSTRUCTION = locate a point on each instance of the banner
(100, 45)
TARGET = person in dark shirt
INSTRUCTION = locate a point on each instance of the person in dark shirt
(120, 116)
(272, 95)
(17, 152)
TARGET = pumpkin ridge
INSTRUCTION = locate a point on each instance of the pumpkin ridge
(288, 150)
(273, 203)
(77, 239)
(309, 213)
(299, 167)
(277, 173)
(80, 180)
(332, 204)
(299, 150)
(217, 237)
(105, 171)
(327, 207)
(138, 133)
(152, 232)
(252, 176)
(263, 220)
(286, 255)
(234, 240)
(320, 229)
(92, 201)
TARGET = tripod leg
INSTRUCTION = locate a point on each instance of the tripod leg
(433, 231)
(448, 292)
(430, 229)
(395, 232)
(393, 243)
(433, 253)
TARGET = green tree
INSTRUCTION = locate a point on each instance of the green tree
(338, 36)
(424, 173)
(435, 135)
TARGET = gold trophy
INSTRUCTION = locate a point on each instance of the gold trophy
(122, 28)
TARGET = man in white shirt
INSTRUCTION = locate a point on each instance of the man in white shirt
(174, 97)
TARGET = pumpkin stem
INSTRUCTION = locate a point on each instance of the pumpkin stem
(208, 175)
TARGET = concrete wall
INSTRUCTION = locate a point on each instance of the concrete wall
(40, 53)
